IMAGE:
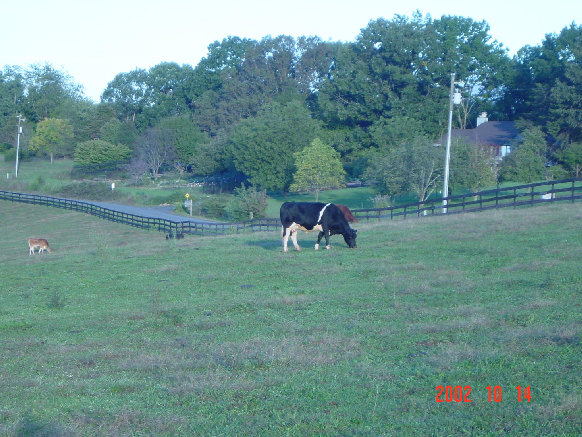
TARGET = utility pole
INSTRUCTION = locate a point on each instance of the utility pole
(453, 98)
(19, 132)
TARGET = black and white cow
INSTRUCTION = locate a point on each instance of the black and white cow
(326, 218)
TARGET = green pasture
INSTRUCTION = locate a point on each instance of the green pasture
(121, 332)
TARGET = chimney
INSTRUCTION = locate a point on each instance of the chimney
(482, 119)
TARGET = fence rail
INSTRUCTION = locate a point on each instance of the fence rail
(522, 195)
(506, 197)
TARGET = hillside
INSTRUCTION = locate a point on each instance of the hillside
(119, 331)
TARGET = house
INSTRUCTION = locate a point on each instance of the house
(497, 135)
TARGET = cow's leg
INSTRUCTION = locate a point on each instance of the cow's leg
(294, 239)
(318, 240)
(285, 238)
(326, 233)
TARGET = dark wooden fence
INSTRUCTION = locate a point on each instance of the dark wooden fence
(509, 197)
(160, 224)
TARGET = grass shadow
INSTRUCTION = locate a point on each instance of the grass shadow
(271, 245)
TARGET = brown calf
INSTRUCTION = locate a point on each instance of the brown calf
(347, 213)
(39, 243)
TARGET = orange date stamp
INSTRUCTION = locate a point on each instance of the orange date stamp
(460, 393)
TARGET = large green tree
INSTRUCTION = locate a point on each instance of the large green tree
(53, 136)
(526, 162)
(546, 86)
(571, 158)
(49, 93)
(471, 166)
(188, 141)
(262, 147)
(318, 168)
(392, 84)
(413, 166)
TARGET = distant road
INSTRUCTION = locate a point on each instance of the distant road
(161, 212)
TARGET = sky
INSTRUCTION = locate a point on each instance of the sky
(94, 41)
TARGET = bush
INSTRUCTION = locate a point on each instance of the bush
(88, 191)
(381, 201)
(247, 203)
(99, 154)
(213, 207)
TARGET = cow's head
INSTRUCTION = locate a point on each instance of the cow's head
(350, 237)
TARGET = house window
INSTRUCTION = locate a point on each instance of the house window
(505, 150)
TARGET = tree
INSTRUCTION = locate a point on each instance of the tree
(386, 172)
(571, 158)
(397, 75)
(187, 139)
(154, 148)
(99, 154)
(472, 167)
(248, 203)
(415, 166)
(49, 93)
(11, 97)
(546, 87)
(262, 147)
(53, 136)
(127, 93)
(424, 163)
(318, 168)
(526, 162)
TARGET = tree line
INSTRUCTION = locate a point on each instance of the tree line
(261, 108)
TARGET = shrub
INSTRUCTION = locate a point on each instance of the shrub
(99, 154)
(247, 203)
(88, 191)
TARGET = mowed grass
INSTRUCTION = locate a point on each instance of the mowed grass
(121, 332)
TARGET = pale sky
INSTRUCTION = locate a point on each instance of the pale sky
(94, 41)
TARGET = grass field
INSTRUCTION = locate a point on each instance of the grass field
(121, 332)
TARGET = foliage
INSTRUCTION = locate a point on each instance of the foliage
(154, 148)
(185, 137)
(248, 203)
(526, 162)
(471, 166)
(381, 201)
(547, 83)
(87, 191)
(414, 166)
(99, 154)
(53, 136)
(571, 157)
(117, 132)
(263, 147)
(318, 168)
(268, 98)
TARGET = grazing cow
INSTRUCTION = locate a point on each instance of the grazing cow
(314, 216)
(39, 243)
(347, 213)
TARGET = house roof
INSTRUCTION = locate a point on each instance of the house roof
(490, 133)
